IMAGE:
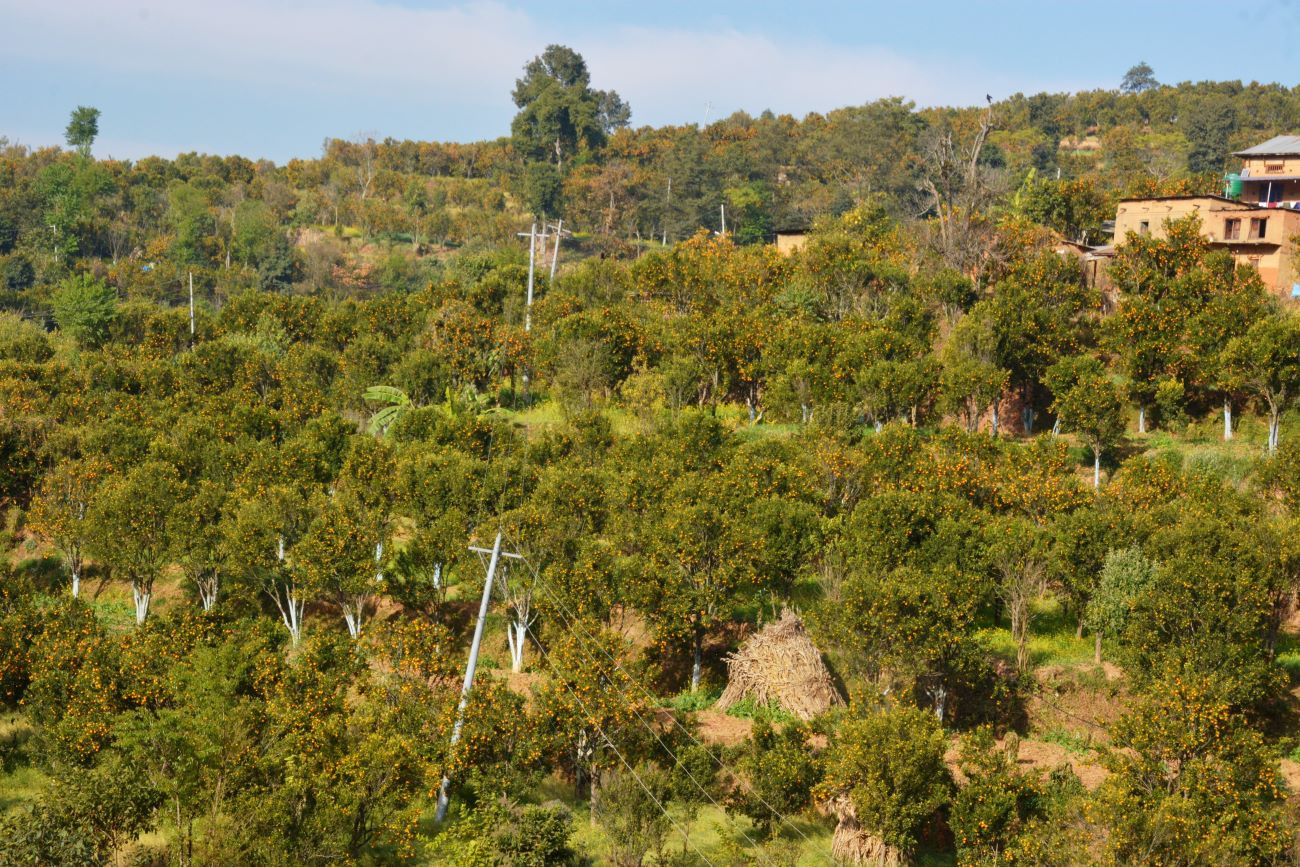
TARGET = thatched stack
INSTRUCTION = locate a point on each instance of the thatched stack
(852, 845)
(779, 666)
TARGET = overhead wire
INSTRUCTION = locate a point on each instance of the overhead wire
(575, 626)
(677, 761)
(610, 742)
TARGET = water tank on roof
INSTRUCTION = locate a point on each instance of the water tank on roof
(1232, 188)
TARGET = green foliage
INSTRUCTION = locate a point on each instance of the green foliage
(1265, 361)
(1139, 78)
(629, 806)
(535, 837)
(780, 775)
(1191, 783)
(889, 764)
(1089, 404)
(85, 818)
(17, 273)
(1125, 576)
(560, 115)
(83, 127)
(996, 804)
(20, 340)
(85, 308)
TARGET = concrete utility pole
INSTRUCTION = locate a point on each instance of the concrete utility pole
(532, 256)
(724, 219)
(555, 257)
(667, 208)
(496, 554)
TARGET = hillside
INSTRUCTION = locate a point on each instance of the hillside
(1043, 531)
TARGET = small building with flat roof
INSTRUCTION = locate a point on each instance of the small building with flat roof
(789, 240)
(1257, 236)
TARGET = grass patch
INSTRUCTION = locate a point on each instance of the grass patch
(1052, 637)
(749, 708)
(1288, 655)
(720, 837)
(20, 781)
(690, 702)
(1072, 742)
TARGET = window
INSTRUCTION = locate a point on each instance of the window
(1274, 168)
(1144, 228)
(1258, 227)
(1231, 230)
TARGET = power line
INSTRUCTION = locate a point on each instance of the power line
(677, 762)
(575, 626)
(609, 741)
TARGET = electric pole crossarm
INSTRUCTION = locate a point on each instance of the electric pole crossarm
(508, 554)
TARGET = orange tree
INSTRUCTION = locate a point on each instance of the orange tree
(1191, 783)
(133, 529)
(885, 768)
(61, 506)
(693, 562)
(586, 710)
(1162, 284)
(1265, 362)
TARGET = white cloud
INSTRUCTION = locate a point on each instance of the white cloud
(464, 52)
(675, 73)
(354, 65)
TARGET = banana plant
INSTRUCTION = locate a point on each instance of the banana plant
(398, 403)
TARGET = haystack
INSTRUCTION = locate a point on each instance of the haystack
(853, 845)
(780, 666)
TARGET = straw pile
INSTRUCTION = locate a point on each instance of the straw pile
(853, 845)
(779, 666)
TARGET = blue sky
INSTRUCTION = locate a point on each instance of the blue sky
(274, 78)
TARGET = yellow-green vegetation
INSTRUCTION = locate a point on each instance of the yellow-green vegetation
(245, 544)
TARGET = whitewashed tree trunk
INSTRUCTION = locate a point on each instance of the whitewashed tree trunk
(76, 581)
(520, 599)
(993, 428)
(1027, 419)
(1227, 419)
(207, 586)
(354, 612)
(140, 594)
(697, 659)
(287, 601)
(1056, 427)
(1096, 469)
(291, 607)
(516, 637)
(1142, 419)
